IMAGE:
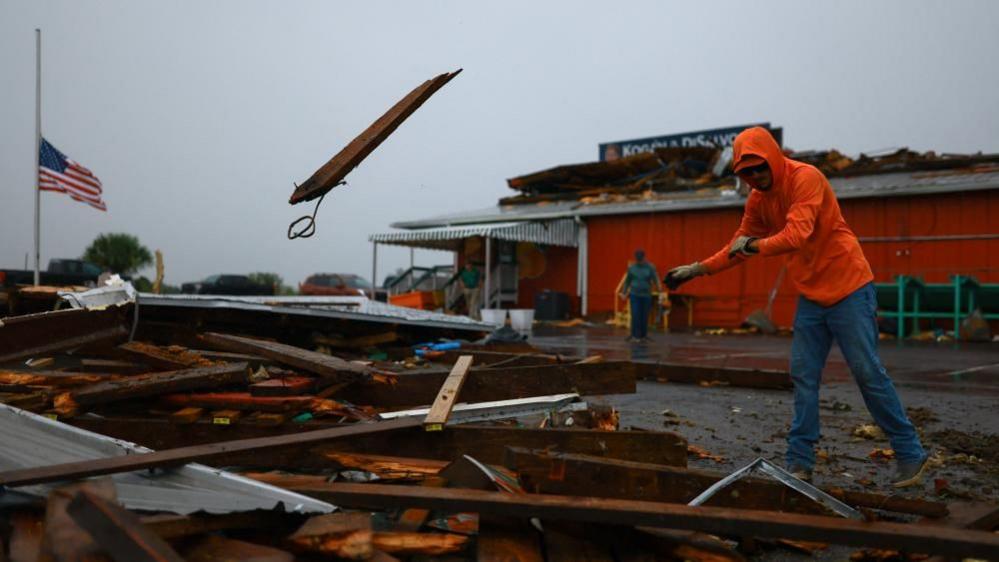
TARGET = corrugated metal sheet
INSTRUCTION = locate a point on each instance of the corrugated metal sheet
(881, 185)
(562, 232)
(343, 308)
(28, 440)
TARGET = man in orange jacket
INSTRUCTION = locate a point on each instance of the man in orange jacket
(793, 211)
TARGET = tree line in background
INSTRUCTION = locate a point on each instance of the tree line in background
(123, 254)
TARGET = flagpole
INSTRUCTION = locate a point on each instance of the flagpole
(38, 153)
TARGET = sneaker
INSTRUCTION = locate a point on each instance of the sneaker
(800, 472)
(910, 473)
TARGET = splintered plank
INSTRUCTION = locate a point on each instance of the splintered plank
(498, 358)
(55, 379)
(65, 538)
(239, 401)
(501, 383)
(119, 532)
(716, 520)
(152, 384)
(214, 548)
(199, 453)
(169, 526)
(35, 335)
(326, 366)
(485, 443)
(553, 472)
(440, 411)
(345, 535)
(288, 386)
(730, 376)
(507, 540)
(488, 443)
(173, 357)
(25, 536)
(187, 415)
(329, 175)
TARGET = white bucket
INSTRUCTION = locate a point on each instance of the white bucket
(521, 319)
(494, 316)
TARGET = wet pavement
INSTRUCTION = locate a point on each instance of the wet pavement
(950, 390)
(951, 367)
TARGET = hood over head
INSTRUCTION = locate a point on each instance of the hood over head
(754, 145)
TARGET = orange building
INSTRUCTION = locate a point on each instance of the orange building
(929, 224)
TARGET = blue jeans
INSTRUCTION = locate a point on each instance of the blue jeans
(852, 323)
(640, 306)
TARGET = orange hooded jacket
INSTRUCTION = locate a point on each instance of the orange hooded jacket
(798, 215)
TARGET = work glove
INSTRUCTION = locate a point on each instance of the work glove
(741, 246)
(680, 275)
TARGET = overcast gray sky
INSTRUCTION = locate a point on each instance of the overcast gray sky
(198, 116)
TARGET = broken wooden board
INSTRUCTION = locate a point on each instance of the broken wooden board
(553, 472)
(239, 401)
(722, 521)
(287, 386)
(507, 540)
(486, 443)
(499, 358)
(47, 332)
(64, 538)
(326, 366)
(345, 535)
(118, 531)
(215, 548)
(727, 376)
(169, 526)
(488, 384)
(26, 534)
(448, 394)
(356, 342)
(153, 384)
(172, 357)
(331, 173)
(50, 378)
(200, 453)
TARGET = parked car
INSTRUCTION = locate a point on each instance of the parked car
(335, 284)
(226, 284)
(60, 272)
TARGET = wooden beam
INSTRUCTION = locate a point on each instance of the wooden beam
(172, 358)
(153, 384)
(215, 548)
(490, 358)
(553, 472)
(486, 384)
(447, 396)
(716, 520)
(119, 532)
(485, 443)
(730, 376)
(169, 526)
(326, 366)
(32, 335)
(184, 455)
(488, 443)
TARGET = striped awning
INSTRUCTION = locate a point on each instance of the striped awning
(560, 232)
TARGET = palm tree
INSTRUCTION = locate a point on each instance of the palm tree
(118, 252)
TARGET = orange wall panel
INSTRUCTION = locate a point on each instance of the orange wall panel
(672, 239)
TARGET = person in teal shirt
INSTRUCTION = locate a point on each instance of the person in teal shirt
(470, 278)
(642, 277)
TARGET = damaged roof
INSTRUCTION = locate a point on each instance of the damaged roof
(981, 177)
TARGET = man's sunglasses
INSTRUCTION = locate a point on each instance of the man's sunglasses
(753, 170)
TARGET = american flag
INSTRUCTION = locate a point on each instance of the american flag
(56, 172)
